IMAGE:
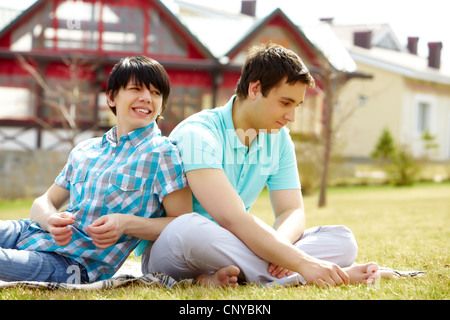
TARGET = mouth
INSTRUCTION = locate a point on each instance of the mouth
(142, 111)
(281, 124)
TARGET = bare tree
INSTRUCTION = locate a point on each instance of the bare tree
(333, 81)
(66, 98)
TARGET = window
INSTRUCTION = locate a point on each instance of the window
(78, 25)
(448, 137)
(184, 101)
(423, 117)
(77, 28)
(73, 99)
(36, 33)
(163, 39)
(123, 29)
(362, 100)
(17, 98)
(424, 114)
(15, 103)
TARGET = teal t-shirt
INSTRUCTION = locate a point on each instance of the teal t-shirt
(208, 140)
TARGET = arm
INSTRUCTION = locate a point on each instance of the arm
(106, 230)
(48, 204)
(44, 211)
(175, 204)
(289, 220)
(214, 192)
(289, 213)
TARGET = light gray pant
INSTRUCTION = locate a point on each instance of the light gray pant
(192, 245)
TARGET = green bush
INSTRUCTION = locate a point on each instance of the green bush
(404, 170)
(400, 166)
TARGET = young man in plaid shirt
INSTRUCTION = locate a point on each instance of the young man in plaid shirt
(114, 184)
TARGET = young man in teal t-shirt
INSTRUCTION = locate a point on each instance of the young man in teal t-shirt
(230, 154)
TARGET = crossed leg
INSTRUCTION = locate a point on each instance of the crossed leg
(194, 247)
(228, 276)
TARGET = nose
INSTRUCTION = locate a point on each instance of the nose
(145, 95)
(290, 115)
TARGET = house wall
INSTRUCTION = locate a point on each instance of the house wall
(365, 107)
(392, 101)
(436, 119)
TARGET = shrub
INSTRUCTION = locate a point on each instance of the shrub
(402, 169)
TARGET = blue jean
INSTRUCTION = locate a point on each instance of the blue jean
(25, 265)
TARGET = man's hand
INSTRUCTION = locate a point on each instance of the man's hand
(277, 271)
(58, 227)
(323, 273)
(106, 230)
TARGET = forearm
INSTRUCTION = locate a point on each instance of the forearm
(288, 207)
(266, 243)
(145, 228)
(48, 204)
(41, 209)
(291, 225)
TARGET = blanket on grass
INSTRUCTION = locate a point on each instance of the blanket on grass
(151, 279)
(154, 279)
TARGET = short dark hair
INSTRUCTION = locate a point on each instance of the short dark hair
(270, 63)
(144, 71)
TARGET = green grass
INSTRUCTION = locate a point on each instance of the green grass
(404, 228)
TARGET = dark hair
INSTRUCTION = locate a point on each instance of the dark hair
(144, 71)
(270, 63)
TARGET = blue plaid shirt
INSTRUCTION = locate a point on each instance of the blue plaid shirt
(105, 176)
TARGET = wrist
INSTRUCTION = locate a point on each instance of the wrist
(125, 222)
(42, 220)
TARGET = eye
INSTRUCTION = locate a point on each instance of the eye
(155, 91)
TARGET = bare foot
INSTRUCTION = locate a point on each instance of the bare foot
(226, 276)
(363, 273)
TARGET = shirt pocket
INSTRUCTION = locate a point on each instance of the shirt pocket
(124, 193)
(77, 185)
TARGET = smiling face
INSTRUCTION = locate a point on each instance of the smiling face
(136, 106)
(138, 89)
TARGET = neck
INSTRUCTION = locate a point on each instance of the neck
(242, 122)
(120, 131)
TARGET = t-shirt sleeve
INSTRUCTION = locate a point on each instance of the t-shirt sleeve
(286, 174)
(64, 177)
(200, 147)
(67, 173)
(170, 175)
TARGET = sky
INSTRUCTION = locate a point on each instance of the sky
(426, 19)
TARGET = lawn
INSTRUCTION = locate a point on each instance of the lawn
(402, 228)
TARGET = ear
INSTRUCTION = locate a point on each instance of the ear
(110, 101)
(254, 88)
